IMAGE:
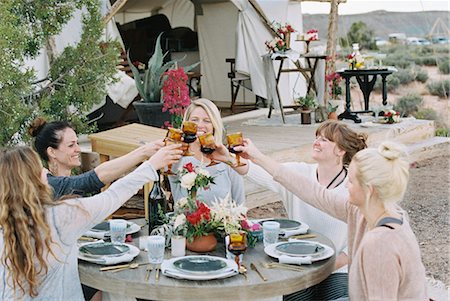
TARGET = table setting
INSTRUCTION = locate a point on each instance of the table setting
(102, 230)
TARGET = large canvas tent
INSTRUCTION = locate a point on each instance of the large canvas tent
(225, 28)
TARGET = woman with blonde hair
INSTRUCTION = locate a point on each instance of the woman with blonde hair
(227, 182)
(38, 240)
(333, 149)
(384, 256)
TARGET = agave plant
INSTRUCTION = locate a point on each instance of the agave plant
(150, 85)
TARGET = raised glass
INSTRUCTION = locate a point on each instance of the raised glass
(235, 139)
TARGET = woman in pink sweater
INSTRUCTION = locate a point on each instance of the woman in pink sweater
(384, 256)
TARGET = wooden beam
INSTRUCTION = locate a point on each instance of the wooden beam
(114, 9)
(263, 17)
(331, 43)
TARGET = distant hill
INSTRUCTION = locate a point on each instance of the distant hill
(383, 23)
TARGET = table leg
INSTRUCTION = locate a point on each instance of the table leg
(384, 89)
(147, 189)
(366, 87)
(347, 114)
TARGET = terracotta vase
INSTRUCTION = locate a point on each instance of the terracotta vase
(202, 244)
(332, 115)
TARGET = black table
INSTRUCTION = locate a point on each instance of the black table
(366, 79)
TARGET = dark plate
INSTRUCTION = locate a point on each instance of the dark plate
(103, 249)
(104, 226)
(285, 224)
(300, 248)
(200, 265)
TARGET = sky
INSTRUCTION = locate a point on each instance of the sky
(363, 6)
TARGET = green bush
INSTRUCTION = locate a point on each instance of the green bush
(392, 83)
(421, 75)
(405, 76)
(408, 104)
(440, 88)
(444, 66)
(426, 60)
(426, 114)
(442, 132)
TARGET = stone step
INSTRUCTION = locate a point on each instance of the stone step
(429, 148)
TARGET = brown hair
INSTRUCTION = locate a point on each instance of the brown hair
(26, 234)
(344, 137)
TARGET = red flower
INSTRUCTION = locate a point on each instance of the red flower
(189, 167)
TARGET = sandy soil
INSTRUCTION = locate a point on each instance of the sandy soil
(427, 204)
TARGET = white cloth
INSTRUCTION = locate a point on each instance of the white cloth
(68, 221)
(295, 260)
(117, 259)
(297, 209)
(288, 233)
(95, 234)
(123, 91)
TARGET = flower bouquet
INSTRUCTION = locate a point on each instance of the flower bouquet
(276, 45)
(194, 178)
(282, 42)
(391, 116)
(312, 35)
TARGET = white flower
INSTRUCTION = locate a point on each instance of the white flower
(188, 180)
(203, 172)
(181, 203)
(179, 221)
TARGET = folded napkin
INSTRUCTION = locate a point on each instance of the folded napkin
(295, 260)
(116, 259)
(95, 234)
(287, 233)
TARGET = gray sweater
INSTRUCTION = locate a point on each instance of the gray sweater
(83, 184)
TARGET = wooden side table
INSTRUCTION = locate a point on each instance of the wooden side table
(122, 140)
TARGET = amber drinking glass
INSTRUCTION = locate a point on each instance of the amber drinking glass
(189, 129)
(173, 137)
(234, 140)
(208, 145)
(237, 245)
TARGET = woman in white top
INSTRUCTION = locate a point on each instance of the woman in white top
(38, 240)
(333, 148)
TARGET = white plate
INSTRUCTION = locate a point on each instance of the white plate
(272, 252)
(132, 228)
(134, 251)
(291, 231)
(170, 270)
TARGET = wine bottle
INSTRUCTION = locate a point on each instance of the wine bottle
(157, 204)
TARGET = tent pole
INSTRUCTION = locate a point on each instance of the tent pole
(331, 43)
(114, 9)
(263, 17)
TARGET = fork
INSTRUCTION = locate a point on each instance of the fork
(149, 271)
(276, 265)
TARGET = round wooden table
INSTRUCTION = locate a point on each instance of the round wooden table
(131, 282)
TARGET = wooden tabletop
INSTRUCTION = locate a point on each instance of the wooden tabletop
(120, 141)
(280, 282)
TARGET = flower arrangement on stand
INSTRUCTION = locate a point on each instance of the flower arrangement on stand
(312, 35)
(282, 42)
(175, 96)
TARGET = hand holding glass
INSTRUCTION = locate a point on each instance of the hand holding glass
(173, 137)
(234, 140)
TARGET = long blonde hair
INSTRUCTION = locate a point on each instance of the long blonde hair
(26, 234)
(386, 169)
(213, 113)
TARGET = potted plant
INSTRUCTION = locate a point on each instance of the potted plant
(307, 103)
(150, 108)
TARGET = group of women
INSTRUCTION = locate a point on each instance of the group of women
(350, 195)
